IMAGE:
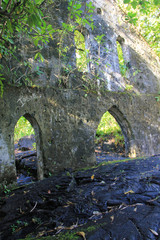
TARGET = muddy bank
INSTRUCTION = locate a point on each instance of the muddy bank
(114, 201)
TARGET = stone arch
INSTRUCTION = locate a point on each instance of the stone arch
(125, 127)
(38, 138)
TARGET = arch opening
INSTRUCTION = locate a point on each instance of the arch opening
(81, 52)
(28, 154)
(122, 63)
(112, 136)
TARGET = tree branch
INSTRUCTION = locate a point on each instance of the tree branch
(9, 3)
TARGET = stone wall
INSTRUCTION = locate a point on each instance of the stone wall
(65, 117)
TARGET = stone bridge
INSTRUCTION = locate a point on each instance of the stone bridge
(65, 114)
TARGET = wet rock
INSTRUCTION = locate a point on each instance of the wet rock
(137, 198)
(100, 234)
(25, 154)
(26, 143)
(108, 147)
(26, 164)
(114, 201)
(29, 162)
(22, 180)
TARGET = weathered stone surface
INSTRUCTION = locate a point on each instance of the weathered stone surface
(64, 117)
(114, 201)
(26, 143)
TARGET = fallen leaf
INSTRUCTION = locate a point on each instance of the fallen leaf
(130, 191)
(112, 218)
(70, 203)
(135, 210)
(82, 234)
(22, 212)
(94, 199)
(92, 193)
(25, 192)
(96, 213)
(92, 177)
(40, 234)
(154, 232)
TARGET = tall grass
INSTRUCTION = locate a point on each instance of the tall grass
(22, 128)
(109, 128)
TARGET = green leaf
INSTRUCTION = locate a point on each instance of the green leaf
(131, 14)
(134, 4)
(126, 1)
(39, 55)
(156, 2)
(9, 25)
(68, 27)
(10, 40)
(78, 6)
(38, 1)
(90, 5)
(36, 41)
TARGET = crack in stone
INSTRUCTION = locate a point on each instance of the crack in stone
(138, 229)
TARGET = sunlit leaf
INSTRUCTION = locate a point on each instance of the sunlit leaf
(112, 218)
(130, 191)
(92, 177)
(134, 4)
(156, 2)
(81, 234)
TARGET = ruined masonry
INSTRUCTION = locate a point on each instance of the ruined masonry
(65, 114)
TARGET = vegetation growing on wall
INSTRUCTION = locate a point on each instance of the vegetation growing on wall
(25, 18)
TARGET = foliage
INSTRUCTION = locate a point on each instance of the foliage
(158, 97)
(26, 19)
(128, 87)
(18, 17)
(19, 225)
(144, 14)
(80, 17)
(6, 190)
(107, 127)
(76, 19)
(23, 128)
(99, 39)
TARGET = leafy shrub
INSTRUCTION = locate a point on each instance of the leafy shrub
(23, 128)
(109, 128)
